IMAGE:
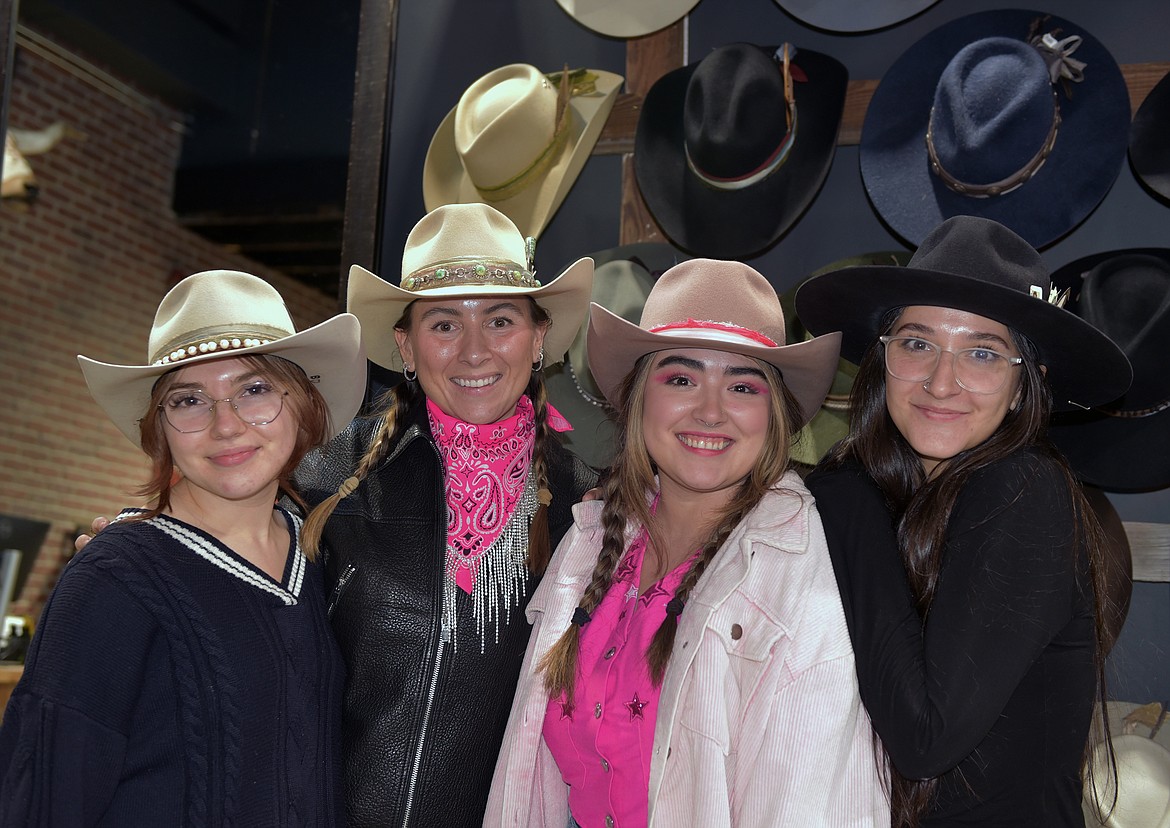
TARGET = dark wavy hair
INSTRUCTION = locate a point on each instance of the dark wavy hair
(923, 506)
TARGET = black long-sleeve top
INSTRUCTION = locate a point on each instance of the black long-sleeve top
(993, 691)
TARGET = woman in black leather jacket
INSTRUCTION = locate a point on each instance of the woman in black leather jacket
(439, 528)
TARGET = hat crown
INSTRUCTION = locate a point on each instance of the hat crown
(697, 289)
(455, 232)
(1128, 299)
(985, 250)
(993, 110)
(504, 122)
(734, 115)
(216, 304)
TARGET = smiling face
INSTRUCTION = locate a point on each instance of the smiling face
(230, 459)
(473, 356)
(938, 417)
(705, 419)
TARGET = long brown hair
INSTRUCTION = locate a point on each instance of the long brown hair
(923, 506)
(627, 504)
(304, 402)
(395, 404)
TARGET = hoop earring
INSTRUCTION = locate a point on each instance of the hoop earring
(538, 366)
(410, 376)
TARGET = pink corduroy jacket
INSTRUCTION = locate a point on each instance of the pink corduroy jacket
(759, 721)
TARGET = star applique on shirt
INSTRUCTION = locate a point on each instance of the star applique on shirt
(566, 710)
(636, 706)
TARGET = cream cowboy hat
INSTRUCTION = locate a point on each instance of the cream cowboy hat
(1142, 785)
(464, 250)
(689, 307)
(517, 140)
(621, 18)
(226, 313)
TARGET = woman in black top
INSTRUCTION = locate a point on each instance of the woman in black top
(966, 554)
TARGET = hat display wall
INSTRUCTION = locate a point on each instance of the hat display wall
(517, 140)
(831, 423)
(1123, 444)
(1013, 115)
(730, 151)
(622, 279)
(689, 308)
(979, 266)
(465, 250)
(219, 314)
(851, 16)
(1149, 145)
(622, 18)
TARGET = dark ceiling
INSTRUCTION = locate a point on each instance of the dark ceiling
(267, 88)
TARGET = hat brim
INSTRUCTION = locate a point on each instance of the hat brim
(733, 224)
(445, 180)
(1147, 140)
(1084, 367)
(1117, 454)
(379, 305)
(1084, 163)
(621, 18)
(848, 16)
(808, 368)
(330, 354)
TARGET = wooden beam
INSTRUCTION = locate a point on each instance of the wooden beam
(1149, 545)
(7, 55)
(647, 59)
(369, 134)
(618, 135)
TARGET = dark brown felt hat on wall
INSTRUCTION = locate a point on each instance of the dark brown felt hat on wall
(979, 266)
(1123, 445)
(1149, 140)
(731, 150)
(1014, 115)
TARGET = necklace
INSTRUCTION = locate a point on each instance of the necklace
(597, 401)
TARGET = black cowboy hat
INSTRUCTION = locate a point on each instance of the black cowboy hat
(724, 163)
(1122, 445)
(1149, 149)
(979, 266)
(1020, 103)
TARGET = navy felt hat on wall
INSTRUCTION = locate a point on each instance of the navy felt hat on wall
(1013, 115)
(730, 151)
(1149, 140)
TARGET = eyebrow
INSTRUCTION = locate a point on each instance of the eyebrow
(698, 365)
(974, 336)
(242, 379)
(456, 311)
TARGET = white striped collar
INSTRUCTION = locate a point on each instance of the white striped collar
(216, 553)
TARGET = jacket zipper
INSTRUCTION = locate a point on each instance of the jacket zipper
(433, 684)
(346, 574)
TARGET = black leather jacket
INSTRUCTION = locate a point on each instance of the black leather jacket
(424, 712)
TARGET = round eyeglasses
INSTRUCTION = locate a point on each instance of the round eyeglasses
(188, 411)
(979, 370)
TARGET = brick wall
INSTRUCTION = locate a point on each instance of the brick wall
(81, 272)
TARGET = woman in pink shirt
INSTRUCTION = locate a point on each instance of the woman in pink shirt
(689, 662)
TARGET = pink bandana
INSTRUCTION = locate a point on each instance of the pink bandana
(487, 467)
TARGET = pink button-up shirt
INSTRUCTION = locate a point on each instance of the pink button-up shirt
(603, 744)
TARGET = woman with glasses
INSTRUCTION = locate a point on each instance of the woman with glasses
(183, 671)
(968, 559)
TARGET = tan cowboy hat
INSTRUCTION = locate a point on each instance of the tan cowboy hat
(1142, 784)
(464, 250)
(690, 307)
(621, 18)
(517, 140)
(226, 313)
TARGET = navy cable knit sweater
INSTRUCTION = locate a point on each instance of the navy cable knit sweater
(170, 682)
